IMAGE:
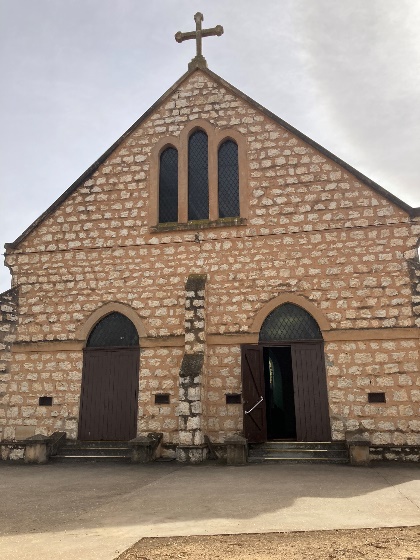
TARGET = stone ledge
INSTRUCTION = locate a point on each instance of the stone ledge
(199, 224)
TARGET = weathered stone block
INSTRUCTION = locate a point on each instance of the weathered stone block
(36, 449)
(236, 450)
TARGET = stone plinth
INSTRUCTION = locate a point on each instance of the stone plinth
(236, 450)
(36, 449)
(191, 453)
(143, 448)
(358, 450)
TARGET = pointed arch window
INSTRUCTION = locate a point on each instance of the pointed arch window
(198, 176)
(228, 178)
(168, 185)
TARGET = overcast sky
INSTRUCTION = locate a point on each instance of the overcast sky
(77, 73)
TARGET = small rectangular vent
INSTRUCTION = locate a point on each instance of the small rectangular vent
(162, 398)
(45, 401)
(376, 397)
(235, 398)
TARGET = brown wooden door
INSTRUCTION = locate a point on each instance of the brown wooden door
(253, 392)
(310, 388)
(108, 401)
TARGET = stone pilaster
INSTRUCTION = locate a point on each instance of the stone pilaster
(191, 446)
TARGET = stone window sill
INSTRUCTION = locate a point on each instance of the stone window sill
(199, 224)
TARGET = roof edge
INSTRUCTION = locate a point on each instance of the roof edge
(96, 164)
(375, 186)
(381, 190)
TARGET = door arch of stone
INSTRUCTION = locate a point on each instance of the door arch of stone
(285, 374)
(110, 379)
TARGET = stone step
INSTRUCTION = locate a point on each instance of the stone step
(94, 444)
(296, 451)
(300, 453)
(329, 460)
(61, 458)
(337, 445)
(93, 451)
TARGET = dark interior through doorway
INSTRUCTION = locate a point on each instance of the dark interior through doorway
(279, 392)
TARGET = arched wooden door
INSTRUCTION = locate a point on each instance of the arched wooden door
(110, 379)
(284, 379)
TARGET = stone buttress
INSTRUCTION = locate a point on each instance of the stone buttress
(191, 446)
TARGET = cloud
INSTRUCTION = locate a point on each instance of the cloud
(77, 74)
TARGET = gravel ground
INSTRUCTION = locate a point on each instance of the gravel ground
(396, 543)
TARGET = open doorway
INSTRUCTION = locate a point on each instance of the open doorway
(284, 382)
(279, 393)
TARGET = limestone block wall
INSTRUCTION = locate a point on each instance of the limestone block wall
(327, 231)
(353, 369)
(223, 377)
(311, 229)
(356, 368)
(159, 373)
(355, 280)
(37, 374)
(59, 375)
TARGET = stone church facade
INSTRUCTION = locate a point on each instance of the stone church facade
(313, 243)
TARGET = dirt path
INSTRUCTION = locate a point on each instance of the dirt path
(402, 543)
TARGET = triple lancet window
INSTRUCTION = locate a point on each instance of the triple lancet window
(206, 168)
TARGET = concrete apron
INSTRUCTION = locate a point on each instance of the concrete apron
(96, 511)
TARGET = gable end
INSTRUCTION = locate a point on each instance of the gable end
(86, 175)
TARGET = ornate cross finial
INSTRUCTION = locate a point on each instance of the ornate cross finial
(199, 59)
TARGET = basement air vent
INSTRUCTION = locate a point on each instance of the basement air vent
(376, 397)
(234, 398)
(162, 398)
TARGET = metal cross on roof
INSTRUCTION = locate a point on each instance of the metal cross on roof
(198, 34)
